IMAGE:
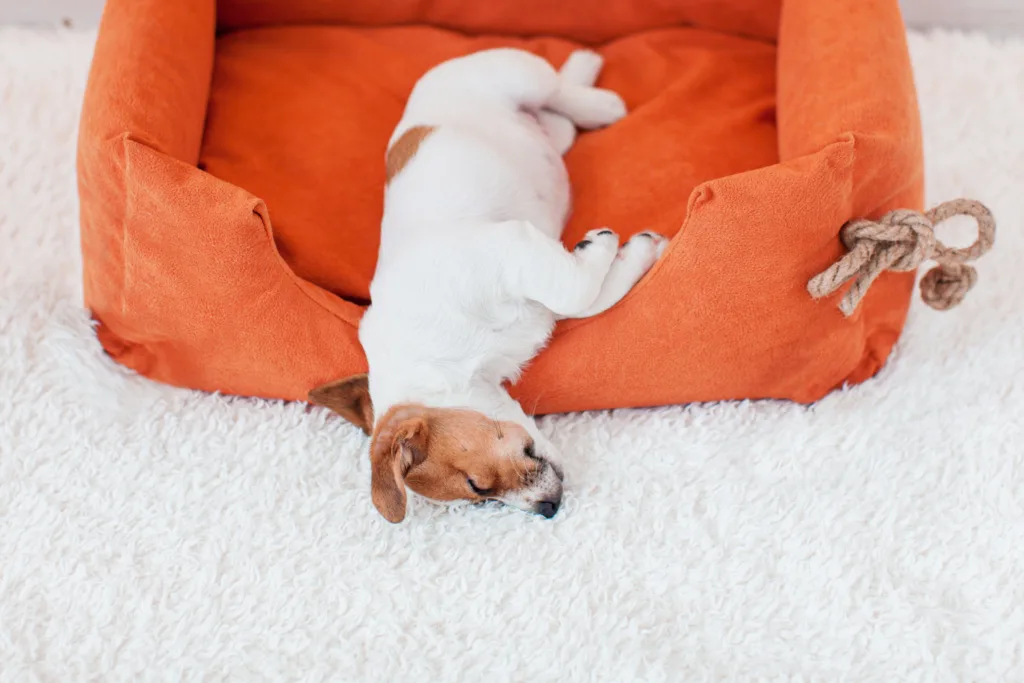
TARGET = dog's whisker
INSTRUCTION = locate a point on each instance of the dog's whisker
(536, 402)
(520, 472)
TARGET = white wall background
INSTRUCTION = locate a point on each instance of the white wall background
(997, 16)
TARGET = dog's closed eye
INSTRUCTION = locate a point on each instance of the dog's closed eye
(480, 491)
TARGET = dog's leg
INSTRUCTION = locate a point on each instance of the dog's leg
(519, 79)
(588, 108)
(635, 258)
(578, 100)
(560, 130)
(526, 81)
(581, 68)
(537, 267)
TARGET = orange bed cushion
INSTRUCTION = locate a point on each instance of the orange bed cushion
(231, 180)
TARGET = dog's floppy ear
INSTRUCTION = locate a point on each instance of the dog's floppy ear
(350, 398)
(397, 447)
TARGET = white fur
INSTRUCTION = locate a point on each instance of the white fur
(471, 274)
(149, 533)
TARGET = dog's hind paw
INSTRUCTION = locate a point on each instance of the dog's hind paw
(582, 67)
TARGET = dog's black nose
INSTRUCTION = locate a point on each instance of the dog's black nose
(547, 508)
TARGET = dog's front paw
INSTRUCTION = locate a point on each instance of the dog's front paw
(596, 252)
(601, 240)
(642, 250)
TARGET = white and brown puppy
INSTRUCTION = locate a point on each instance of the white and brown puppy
(471, 277)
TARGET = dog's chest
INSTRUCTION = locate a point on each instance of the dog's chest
(509, 336)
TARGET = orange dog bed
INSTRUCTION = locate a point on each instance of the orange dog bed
(231, 167)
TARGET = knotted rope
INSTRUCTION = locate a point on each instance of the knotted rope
(901, 241)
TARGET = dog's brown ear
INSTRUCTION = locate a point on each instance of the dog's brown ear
(397, 447)
(350, 398)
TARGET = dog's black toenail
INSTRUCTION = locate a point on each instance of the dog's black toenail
(606, 232)
(648, 235)
(582, 244)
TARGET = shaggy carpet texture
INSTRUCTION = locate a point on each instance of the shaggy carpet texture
(151, 533)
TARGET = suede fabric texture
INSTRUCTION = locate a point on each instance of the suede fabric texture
(231, 175)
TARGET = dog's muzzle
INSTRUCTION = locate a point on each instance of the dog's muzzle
(548, 490)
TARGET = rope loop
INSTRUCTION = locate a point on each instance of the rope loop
(901, 241)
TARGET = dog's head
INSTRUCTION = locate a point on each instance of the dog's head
(444, 454)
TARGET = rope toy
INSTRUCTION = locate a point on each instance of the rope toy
(901, 241)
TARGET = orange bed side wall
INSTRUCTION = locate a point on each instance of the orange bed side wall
(582, 21)
(180, 270)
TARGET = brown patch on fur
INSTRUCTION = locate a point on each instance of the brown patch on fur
(437, 451)
(405, 148)
(350, 398)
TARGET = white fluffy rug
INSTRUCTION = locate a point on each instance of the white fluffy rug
(151, 533)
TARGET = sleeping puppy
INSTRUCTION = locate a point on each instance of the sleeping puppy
(471, 277)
